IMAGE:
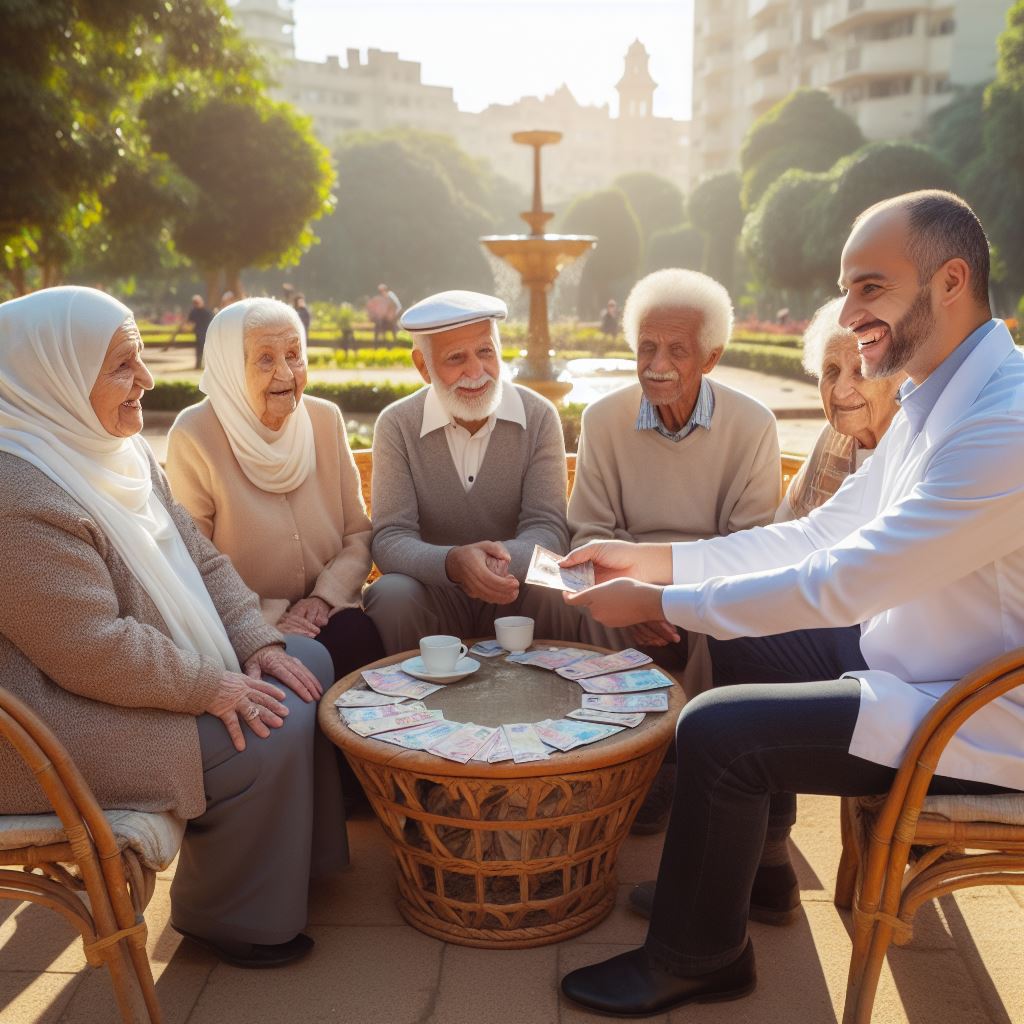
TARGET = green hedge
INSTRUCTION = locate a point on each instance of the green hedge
(774, 359)
(175, 395)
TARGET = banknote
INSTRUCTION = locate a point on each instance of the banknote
(393, 682)
(487, 649)
(386, 711)
(364, 697)
(498, 748)
(552, 657)
(563, 734)
(419, 737)
(462, 744)
(630, 721)
(620, 662)
(625, 701)
(546, 572)
(375, 725)
(524, 742)
(626, 682)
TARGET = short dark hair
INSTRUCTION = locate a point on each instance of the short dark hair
(942, 227)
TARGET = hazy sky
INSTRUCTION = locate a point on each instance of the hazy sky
(495, 52)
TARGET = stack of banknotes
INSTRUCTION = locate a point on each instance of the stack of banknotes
(618, 692)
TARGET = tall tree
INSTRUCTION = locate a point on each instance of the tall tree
(657, 203)
(72, 75)
(399, 220)
(805, 130)
(715, 208)
(681, 246)
(253, 174)
(612, 267)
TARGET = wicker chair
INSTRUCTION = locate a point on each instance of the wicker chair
(970, 840)
(112, 856)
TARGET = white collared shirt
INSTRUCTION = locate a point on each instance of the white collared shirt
(468, 450)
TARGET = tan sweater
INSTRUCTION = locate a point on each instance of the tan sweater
(639, 486)
(84, 646)
(313, 541)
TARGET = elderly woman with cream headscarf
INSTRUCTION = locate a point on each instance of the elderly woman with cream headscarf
(140, 646)
(268, 476)
(858, 411)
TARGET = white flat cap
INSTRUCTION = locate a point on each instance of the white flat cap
(447, 310)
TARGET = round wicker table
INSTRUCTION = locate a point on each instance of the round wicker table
(506, 855)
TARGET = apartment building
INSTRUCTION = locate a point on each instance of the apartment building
(385, 91)
(888, 63)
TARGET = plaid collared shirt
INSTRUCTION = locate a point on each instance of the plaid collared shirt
(648, 418)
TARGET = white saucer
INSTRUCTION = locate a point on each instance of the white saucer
(463, 667)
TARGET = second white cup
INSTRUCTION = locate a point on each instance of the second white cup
(441, 653)
(514, 632)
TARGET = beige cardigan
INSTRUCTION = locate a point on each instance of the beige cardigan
(313, 541)
(83, 645)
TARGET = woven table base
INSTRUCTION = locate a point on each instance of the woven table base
(507, 862)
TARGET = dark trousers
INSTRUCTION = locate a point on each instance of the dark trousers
(351, 639)
(739, 749)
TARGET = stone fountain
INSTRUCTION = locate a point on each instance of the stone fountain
(539, 258)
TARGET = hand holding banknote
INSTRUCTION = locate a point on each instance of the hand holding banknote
(615, 559)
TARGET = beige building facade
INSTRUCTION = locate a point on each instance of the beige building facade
(384, 91)
(888, 63)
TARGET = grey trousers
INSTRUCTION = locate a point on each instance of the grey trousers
(274, 817)
(405, 610)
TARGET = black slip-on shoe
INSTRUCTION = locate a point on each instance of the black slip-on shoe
(656, 809)
(629, 985)
(253, 955)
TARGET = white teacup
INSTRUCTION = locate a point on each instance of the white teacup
(441, 654)
(514, 632)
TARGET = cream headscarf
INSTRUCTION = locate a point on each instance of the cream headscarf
(273, 460)
(52, 345)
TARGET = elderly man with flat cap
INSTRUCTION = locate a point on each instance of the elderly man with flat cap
(468, 475)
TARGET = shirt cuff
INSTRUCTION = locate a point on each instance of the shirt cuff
(688, 562)
(679, 606)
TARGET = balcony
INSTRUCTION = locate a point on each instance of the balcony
(755, 8)
(844, 15)
(712, 64)
(767, 43)
(764, 92)
(892, 57)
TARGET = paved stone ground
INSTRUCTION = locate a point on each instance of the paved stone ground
(369, 967)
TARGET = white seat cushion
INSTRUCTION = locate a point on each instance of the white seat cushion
(1002, 809)
(155, 837)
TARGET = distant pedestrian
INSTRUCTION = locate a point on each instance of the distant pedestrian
(610, 319)
(199, 317)
(383, 310)
(299, 302)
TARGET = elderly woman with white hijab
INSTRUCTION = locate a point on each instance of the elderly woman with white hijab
(268, 476)
(140, 646)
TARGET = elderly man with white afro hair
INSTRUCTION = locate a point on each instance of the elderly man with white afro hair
(674, 457)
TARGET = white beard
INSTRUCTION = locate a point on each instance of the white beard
(475, 409)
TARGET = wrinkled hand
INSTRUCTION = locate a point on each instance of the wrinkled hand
(470, 568)
(621, 602)
(616, 559)
(658, 633)
(272, 661)
(239, 699)
(305, 617)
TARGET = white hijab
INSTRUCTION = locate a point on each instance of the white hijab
(273, 460)
(52, 345)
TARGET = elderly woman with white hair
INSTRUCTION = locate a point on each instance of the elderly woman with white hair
(858, 411)
(140, 646)
(268, 476)
(677, 456)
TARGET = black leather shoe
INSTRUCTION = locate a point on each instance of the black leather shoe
(628, 985)
(657, 806)
(254, 955)
(774, 899)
